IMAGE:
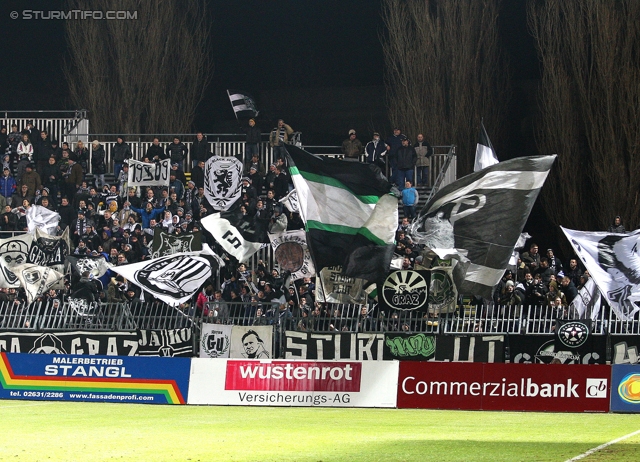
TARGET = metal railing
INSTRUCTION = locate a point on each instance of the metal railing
(110, 317)
(623, 326)
(58, 124)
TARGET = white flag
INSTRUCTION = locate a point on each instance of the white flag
(36, 280)
(587, 303)
(292, 253)
(290, 201)
(42, 218)
(222, 185)
(230, 237)
(173, 278)
(613, 262)
(485, 154)
(13, 251)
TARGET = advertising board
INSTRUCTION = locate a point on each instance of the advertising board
(625, 388)
(497, 386)
(144, 380)
(293, 383)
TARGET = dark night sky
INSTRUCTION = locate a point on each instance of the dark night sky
(258, 46)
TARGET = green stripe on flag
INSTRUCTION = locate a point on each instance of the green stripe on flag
(322, 179)
(341, 229)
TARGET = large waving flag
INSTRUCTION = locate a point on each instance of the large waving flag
(349, 212)
(485, 154)
(479, 218)
(613, 262)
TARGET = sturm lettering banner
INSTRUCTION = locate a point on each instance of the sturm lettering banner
(71, 343)
(303, 345)
(411, 347)
(149, 174)
(470, 348)
(166, 342)
(293, 383)
(543, 349)
(94, 378)
(625, 388)
(251, 342)
(215, 340)
(222, 186)
(504, 387)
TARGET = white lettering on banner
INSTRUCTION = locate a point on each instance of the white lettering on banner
(299, 373)
(84, 360)
(330, 346)
(91, 371)
(293, 376)
(526, 388)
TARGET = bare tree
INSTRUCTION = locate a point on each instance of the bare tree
(445, 71)
(590, 101)
(143, 75)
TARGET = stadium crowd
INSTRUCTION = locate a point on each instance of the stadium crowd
(118, 223)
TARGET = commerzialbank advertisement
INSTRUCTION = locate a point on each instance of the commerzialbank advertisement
(143, 380)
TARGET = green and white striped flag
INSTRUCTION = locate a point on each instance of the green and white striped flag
(349, 212)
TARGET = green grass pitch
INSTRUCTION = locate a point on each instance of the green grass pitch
(55, 431)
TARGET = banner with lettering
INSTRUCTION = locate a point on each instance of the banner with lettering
(149, 174)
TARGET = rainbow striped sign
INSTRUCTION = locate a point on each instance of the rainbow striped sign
(143, 380)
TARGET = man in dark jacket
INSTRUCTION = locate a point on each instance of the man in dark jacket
(254, 136)
(120, 152)
(394, 143)
(200, 149)
(41, 151)
(406, 158)
(376, 149)
(155, 152)
(177, 152)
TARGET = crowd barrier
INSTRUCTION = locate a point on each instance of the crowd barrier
(321, 383)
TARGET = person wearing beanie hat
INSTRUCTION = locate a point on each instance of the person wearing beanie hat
(352, 147)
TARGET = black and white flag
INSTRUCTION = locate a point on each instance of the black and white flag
(242, 103)
(13, 251)
(587, 303)
(95, 265)
(222, 185)
(292, 253)
(485, 154)
(290, 201)
(168, 244)
(39, 217)
(149, 174)
(613, 262)
(50, 250)
(36, 280)
(478, 219)
(235, 241)
(174, 278)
